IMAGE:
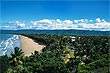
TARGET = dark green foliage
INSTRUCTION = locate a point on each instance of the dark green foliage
(45, 62)
(4, 63)
(87, 54)
(16, 56)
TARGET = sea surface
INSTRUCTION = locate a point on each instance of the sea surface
(74, 32)
(8, 42)
(9, 39)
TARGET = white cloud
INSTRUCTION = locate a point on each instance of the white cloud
(8, 27)
(91, 24)
(82, 21)
(19, 24)
(13, 25)
(68, 24)
(53, 24)
(46, 21)
(58, 20)
(90, 20)
(76, 21)
(103, 25)
(49, 24)
(98, 20)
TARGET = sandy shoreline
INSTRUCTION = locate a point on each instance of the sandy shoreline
(29, 46)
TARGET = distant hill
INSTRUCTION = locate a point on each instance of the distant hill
(74, 32)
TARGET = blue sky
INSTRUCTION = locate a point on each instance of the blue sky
(31, 10)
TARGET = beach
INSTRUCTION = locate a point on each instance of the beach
(29, 46)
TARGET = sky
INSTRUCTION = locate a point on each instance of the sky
(56, 14)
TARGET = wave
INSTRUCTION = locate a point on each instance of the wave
(7, 46)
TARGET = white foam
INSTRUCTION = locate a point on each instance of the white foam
(4, 52)
(1, 43)
(17, 37)
(6, 47)
(14, 37)
(1, 49)
(11, 41)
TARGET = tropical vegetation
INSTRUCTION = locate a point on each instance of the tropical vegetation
(62, 54)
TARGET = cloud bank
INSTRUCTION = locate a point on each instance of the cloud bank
(84, 24)
(49, 24)
(12, 25)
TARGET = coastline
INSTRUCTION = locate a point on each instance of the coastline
(29, 46)
(8, 42)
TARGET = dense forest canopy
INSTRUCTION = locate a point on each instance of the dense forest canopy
(62, 54)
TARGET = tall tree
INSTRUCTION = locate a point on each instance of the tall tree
(16, 57)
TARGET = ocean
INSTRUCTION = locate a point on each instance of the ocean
(73, 32)
(9, 39)
(8, 42)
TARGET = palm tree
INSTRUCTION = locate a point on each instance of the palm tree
(16, 57)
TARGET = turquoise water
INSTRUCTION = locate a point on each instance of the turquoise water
(8, 42)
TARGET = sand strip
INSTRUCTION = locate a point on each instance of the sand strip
(29, 46)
